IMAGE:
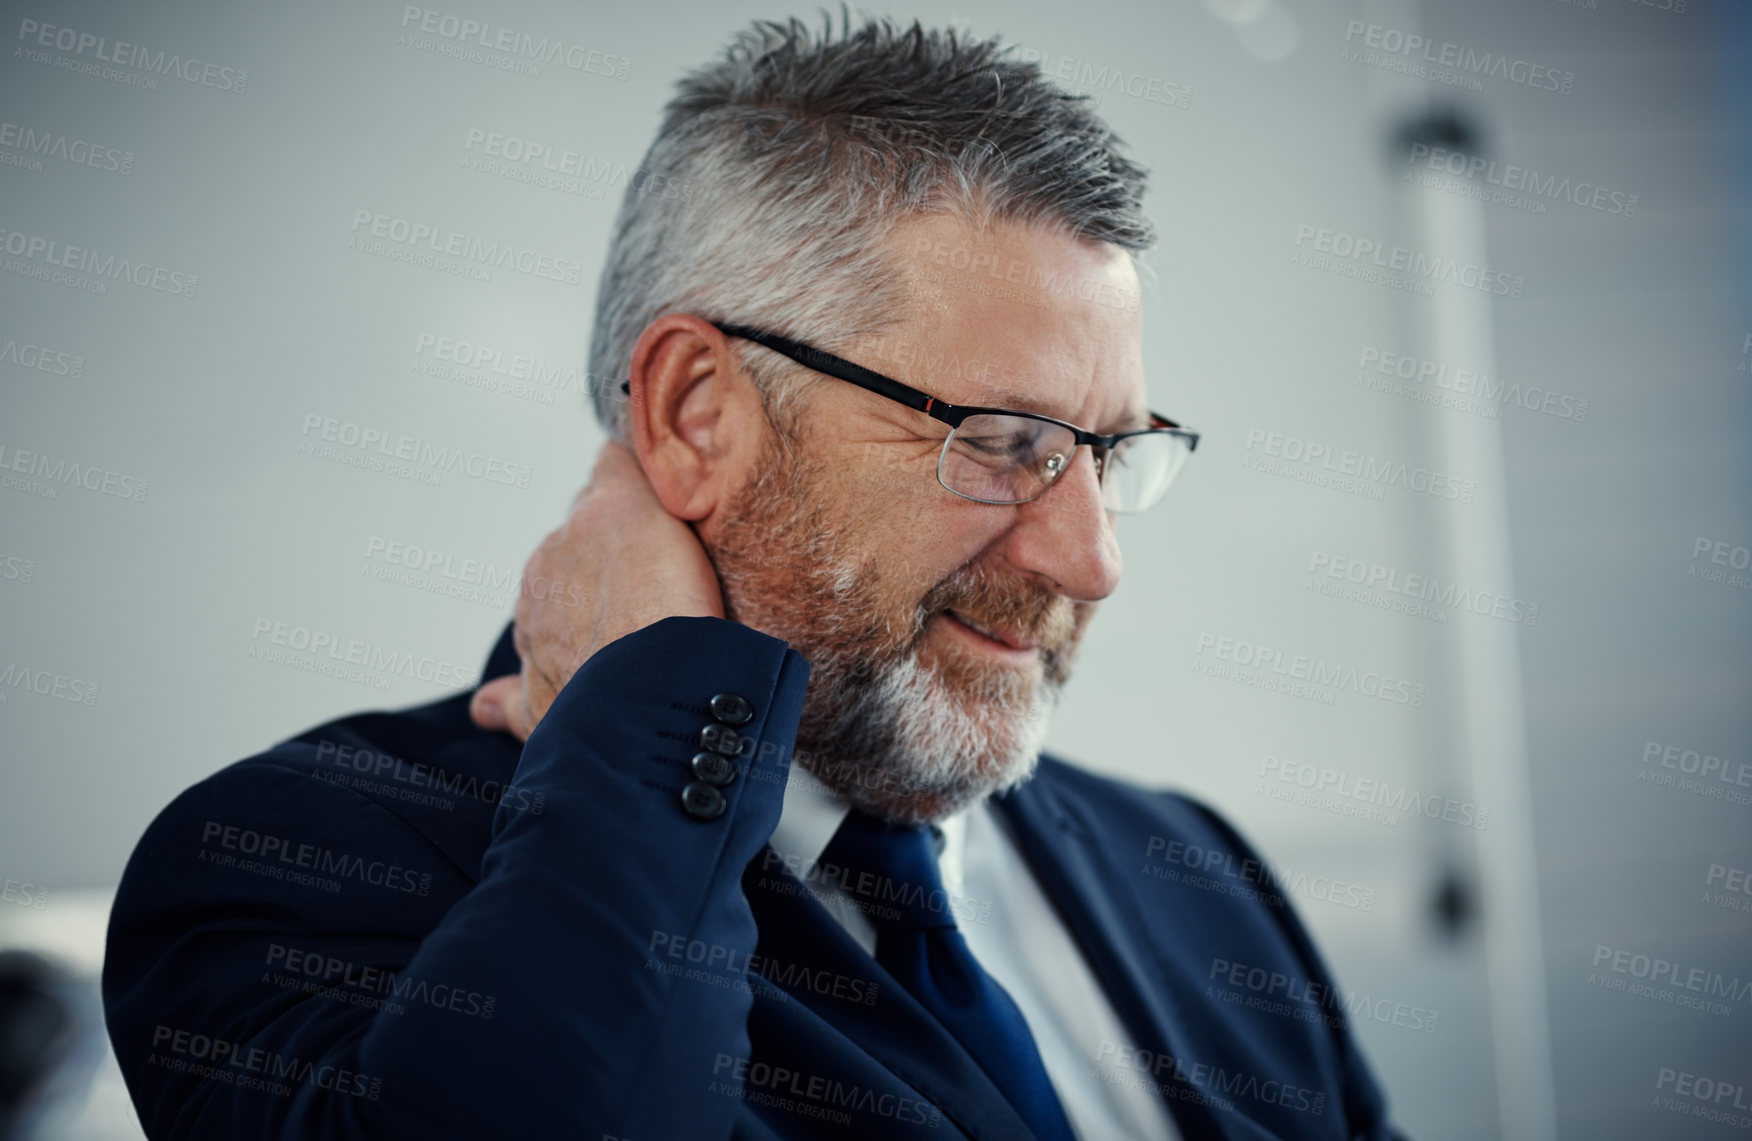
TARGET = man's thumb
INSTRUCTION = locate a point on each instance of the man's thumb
(488, 708)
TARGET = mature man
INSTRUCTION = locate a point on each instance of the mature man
(756, 840)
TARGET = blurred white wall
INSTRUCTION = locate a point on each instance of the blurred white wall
(1602, 452)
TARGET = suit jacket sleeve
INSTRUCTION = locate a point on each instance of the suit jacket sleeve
(540, 995)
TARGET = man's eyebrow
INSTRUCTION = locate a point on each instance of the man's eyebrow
(1136, 417)
(1139, 417)
(1009, 401)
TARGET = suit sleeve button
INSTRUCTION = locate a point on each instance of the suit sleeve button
(702, 801)
(721, 739)
(713, 768)
(732, 709)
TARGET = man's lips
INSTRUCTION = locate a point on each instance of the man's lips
(997, 634)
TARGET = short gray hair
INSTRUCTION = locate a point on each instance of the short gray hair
(781, 168)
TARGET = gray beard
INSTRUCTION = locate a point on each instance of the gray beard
(904, 745)
(895, 737)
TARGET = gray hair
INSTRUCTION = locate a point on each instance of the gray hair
(780, 170)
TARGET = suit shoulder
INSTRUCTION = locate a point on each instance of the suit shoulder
(413, 791)
(1096, 797)
(1189, 850)
(429, 766)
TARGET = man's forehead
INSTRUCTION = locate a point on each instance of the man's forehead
(1056, 334)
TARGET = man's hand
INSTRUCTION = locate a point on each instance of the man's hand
(619, 563)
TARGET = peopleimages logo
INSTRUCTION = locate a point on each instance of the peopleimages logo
(14, 568)
(1721, 553)
(1353, 469)
(252, 1068)
(327, 974)
(814, 1095)
(1472, 383)
(55, 362)
(1268, 660)
(219, 840)
(1699, 1095)
(433, 240)
(1211, 1084)
(428, 560)
(1246, 878)
(1372, 576)
(569, 171)
(41, 475)
(1414, 264)
(381, 773)
(1397, 50)
(1521, 179)
(33, 145)
(523, 51)
(35, 34)
(363, 445)
(43, 253)
(454, 576)
(46, 684)
(269, 636)
(1083, 73)
(1661, 974)
(1275, 992)
(1369, 798)
(499, 369)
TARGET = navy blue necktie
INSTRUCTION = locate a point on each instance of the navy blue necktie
(891, 870)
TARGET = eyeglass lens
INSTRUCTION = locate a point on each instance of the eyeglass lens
(1012, 459)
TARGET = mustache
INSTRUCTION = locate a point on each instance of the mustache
(1038, 614)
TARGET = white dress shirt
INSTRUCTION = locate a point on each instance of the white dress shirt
(1012, 929)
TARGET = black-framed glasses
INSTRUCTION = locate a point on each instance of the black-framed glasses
(997, 456)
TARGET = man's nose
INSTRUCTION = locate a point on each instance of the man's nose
(1066, 535)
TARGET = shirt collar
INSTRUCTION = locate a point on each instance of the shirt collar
(812, 813)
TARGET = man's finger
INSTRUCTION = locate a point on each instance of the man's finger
(489, 706)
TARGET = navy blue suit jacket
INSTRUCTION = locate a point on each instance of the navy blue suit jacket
(398, 925)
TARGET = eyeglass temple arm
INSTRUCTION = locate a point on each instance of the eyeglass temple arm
(833, 366)
(1157, 420)
(838, 367)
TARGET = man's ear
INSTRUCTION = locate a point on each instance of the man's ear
(695, 418)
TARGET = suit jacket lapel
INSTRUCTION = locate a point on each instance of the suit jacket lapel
(822, 1032)
(1061, 854)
